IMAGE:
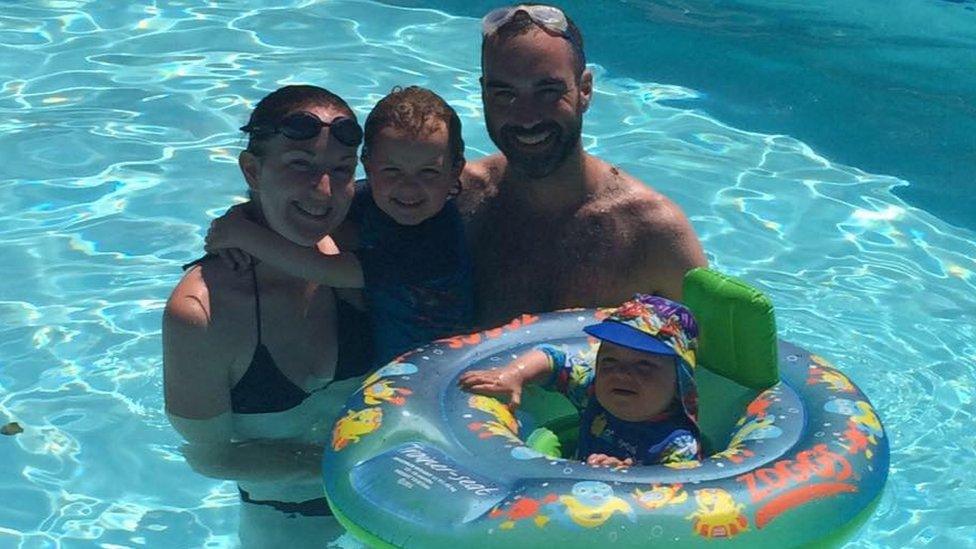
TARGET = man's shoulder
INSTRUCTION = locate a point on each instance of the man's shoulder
(642, 223)
(638, 206)
(479, 182)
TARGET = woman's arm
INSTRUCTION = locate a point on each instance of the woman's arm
(249, 461)
(235, 230)
(197, 358)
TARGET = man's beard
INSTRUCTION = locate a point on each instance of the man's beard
(537, 164)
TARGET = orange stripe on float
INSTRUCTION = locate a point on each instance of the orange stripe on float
(795, 498)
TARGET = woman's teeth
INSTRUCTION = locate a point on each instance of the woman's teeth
(313, 210)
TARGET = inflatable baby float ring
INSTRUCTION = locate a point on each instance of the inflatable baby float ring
(416, 462)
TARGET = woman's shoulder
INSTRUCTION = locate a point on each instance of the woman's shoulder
(206, 286)
(189, 304)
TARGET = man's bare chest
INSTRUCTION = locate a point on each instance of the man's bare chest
(538, 266)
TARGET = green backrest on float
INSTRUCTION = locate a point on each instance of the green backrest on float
(737, 356)
(737, 360)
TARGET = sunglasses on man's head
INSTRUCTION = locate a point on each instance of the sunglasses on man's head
(550, 18)
(305, 125)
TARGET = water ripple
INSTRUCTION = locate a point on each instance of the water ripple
(121, 126)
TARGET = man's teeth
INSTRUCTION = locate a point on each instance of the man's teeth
(533, 138)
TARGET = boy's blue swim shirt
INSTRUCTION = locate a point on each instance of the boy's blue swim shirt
(669, 440)
(418, 278)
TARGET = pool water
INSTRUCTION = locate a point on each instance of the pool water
(118, 144)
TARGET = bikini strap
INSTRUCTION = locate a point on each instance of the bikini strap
(257, 302)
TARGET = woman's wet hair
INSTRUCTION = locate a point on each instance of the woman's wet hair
(286, 100)
(412, 110)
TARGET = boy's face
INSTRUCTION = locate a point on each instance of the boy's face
(633, 385)
(412, 176)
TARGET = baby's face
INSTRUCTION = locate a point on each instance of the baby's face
(632, 385)
(411, 176)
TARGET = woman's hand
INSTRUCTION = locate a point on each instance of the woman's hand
(604, 460)
(505, 382)
(225, 236)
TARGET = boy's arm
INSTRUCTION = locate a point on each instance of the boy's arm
(340, 270)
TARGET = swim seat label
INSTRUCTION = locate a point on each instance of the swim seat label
(408, 478)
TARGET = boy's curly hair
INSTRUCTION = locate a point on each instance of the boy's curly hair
(411, 110)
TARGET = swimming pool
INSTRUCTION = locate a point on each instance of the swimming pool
(118, 139)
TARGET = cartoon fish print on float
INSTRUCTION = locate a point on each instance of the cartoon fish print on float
(593, 503)
(384, 391)
(759, 405)
(718, 515)
(685, 464)
(355, 424)
(504, 423)
(660, 496)
(754, 429)
(822, 372)
(863, 426)
(391, 369)
(522, 508)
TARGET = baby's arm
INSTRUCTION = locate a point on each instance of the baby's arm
(235, 230)
(532, 367)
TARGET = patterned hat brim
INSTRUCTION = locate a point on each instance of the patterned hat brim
(621, 334)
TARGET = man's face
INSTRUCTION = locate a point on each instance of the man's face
(533, 104)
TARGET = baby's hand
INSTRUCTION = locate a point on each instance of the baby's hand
(505, 382)
(604, 460)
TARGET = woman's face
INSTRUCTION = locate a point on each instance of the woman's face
(304, 188)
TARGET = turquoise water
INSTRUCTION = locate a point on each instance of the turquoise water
(118, 143)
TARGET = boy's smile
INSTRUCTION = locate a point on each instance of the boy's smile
(411, 176)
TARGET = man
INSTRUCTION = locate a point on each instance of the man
(550, 225)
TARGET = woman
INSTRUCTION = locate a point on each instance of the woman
(252, 372)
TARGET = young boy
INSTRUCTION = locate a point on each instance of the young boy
(411, 258)
(635, 389)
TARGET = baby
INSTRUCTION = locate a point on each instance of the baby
(406, 236)
(635, 389)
